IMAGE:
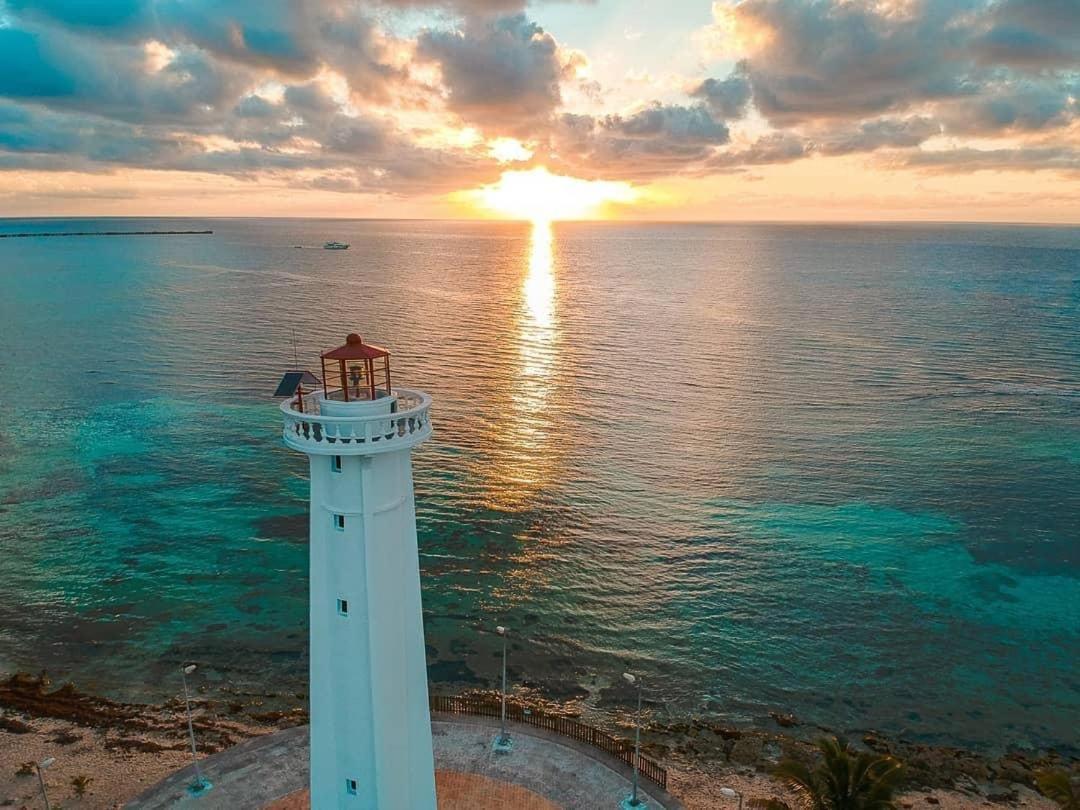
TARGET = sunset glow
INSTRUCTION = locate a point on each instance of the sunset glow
(538, 195)
(694, 110)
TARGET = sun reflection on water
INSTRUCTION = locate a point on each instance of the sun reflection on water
(536, 334)
(524, 459)
(539, 288)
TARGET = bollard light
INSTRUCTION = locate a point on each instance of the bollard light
(632, 800)
(41, 766)
(201, 783)
(503, 744)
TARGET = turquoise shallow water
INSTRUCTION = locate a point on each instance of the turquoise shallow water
(828, 470)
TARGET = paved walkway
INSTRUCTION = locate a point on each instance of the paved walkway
(557, 769)
(456, 791)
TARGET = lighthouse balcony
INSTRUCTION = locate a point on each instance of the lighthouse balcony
(318, 426)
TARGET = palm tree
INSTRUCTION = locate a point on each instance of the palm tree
(845, 779)
(1056, 786)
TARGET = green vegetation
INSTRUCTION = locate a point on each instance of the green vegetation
(1059, 788)
(80, 783)
(26, 769)
(845, 779)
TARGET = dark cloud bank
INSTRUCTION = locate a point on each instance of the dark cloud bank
(79, 90)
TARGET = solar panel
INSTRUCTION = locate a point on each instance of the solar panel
(292, 380)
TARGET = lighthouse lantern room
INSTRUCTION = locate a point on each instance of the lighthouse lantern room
(356, 372)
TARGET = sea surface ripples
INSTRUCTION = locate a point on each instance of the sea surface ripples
(833, 470)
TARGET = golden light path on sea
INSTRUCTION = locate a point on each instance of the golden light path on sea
(523, 463)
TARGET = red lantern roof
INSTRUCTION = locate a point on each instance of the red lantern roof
(355, 349)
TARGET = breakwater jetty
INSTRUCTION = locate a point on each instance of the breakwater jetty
(104, 233)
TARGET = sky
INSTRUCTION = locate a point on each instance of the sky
(958, 110)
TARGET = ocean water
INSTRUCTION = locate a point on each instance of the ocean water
(832, 470)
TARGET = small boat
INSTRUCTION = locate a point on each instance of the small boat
(335, 246)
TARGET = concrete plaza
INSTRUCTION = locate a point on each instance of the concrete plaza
(544, 771)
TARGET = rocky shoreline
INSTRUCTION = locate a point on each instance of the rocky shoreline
(997, 779)
(123, 747)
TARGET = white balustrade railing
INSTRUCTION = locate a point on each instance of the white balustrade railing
(311, 432)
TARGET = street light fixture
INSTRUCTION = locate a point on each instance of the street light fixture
(41, 766)
(503, 744)
(632, 800)
(201, 783)
(731, 793)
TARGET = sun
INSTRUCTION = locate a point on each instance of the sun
(540, 196)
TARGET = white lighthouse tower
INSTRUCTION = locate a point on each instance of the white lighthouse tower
(370, 723)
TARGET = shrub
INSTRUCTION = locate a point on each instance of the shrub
(845, 779)
(1058, 787)
(80, 783)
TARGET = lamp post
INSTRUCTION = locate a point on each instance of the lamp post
(731, 793)
(503, 743)
(633, 800)
(41, 766)
(201, 784)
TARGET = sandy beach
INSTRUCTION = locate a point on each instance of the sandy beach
(124, 748)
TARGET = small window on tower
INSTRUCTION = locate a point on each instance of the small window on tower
(350, 787)
(339, 522)
(343, 607)
(335, 463)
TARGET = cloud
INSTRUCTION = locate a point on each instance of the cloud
(831, 59)
(293, 38)
(836, 77)
(502, 74)
(475, 7)
(879, 133)
(256, 23)
(112, 80)
(273, 33)
(1034, 158)
(47, 141)
(779, 147)
(310, 99)
(655, 140)
(26, 71)
(675, 124)
(103, 15)
(843, 59)
(327, 94)
(867, 136)
(354, 136)
(1017, 107)
(1033, 34)
(255, 107)
(89, 98)
(1023, 47)
(726, 98)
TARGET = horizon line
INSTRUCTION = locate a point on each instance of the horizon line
(509, 221)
